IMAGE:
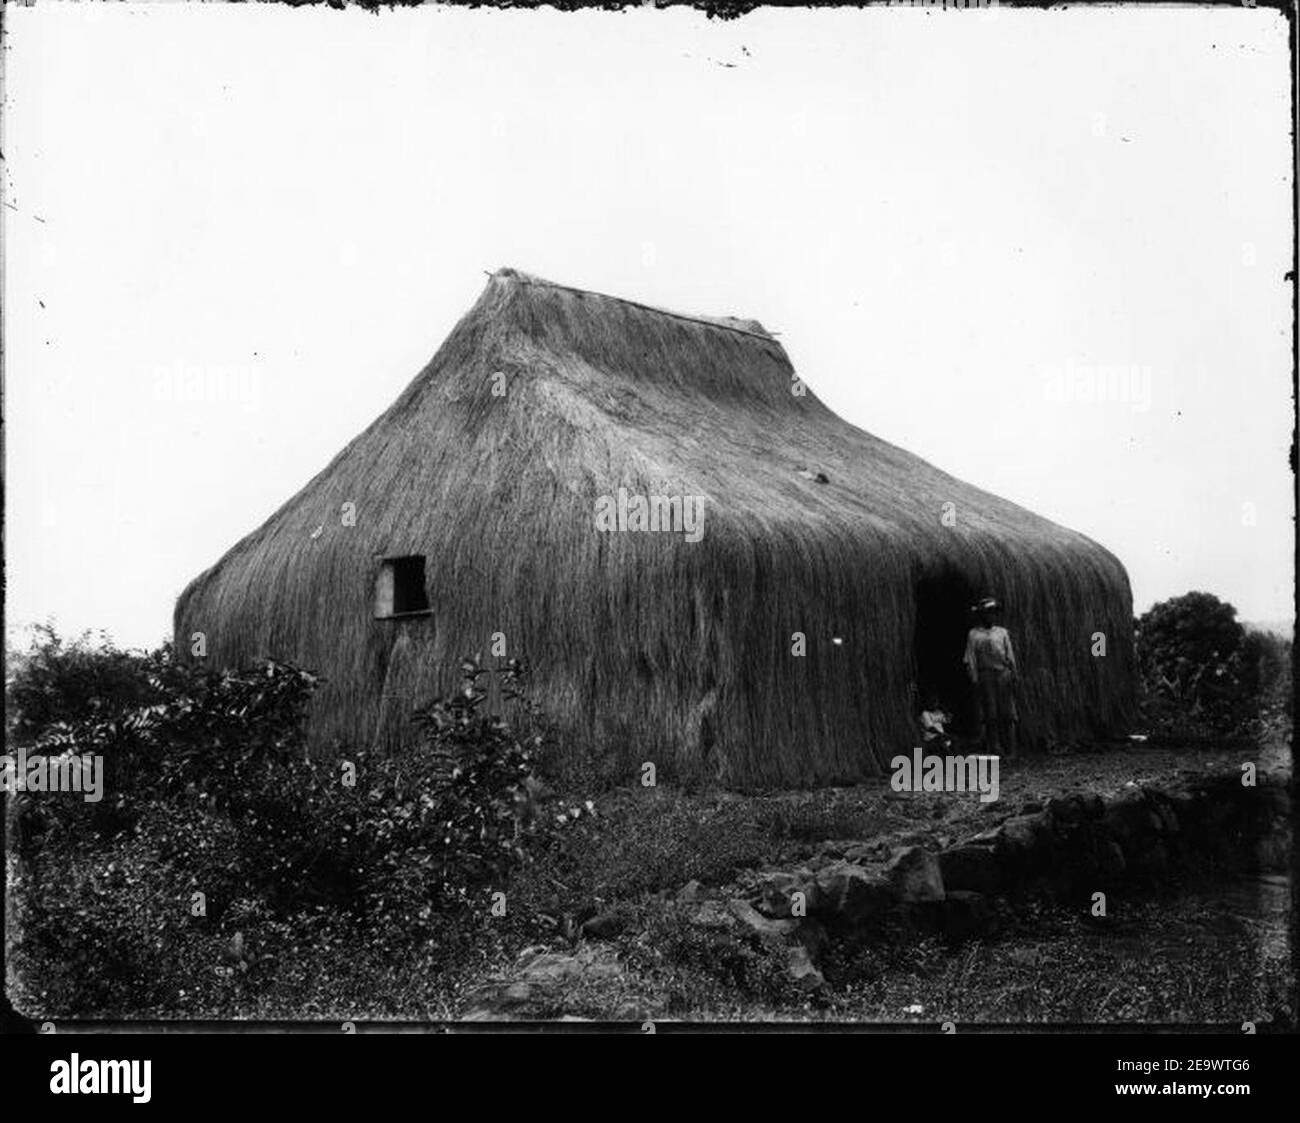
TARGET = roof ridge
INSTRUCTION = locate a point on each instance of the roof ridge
(707, 321)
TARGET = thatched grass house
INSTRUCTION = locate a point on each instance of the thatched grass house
(480, 506)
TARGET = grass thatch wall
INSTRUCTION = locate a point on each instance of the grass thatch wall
(645, 646)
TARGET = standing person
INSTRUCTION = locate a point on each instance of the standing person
(991, 666)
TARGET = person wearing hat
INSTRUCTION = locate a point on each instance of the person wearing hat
(991, 666)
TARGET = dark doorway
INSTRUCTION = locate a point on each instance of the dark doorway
(942, 620)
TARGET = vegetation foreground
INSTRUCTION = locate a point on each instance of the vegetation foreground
(225, 875)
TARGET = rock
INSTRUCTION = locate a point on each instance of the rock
(552, 968)
(776, 894)
(812, 935)
(541, 986)
(713, 914)
(1186, 808)
(1153, 861)
(1219, 812)
(1168, 817)
(1022, 834)
(1092, 805)
(604, 926)
(1074, 863)
(1066, 811)
(1024, 957)
(801, 969)
(915, 877)
(848, 895)
(1111, 861)
(1127, 815)
(691, 891)
(1275, 796)
(966, 914)
(970, 869)
(860, 852)
(1273, 852)
(757, 923)
(480, 1010)
(837, 846)
(530, 952)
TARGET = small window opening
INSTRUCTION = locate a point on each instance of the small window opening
(400, 589)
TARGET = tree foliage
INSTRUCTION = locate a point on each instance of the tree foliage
(1204, 674)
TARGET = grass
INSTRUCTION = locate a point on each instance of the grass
(1206, 954)
(1170, 959)
(655, 840)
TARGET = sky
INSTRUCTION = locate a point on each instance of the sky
(1045, 251)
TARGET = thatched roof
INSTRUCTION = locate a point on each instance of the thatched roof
(645, 646)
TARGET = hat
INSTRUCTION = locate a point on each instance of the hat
(988, 604)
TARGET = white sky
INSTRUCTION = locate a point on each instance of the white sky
(234, 234)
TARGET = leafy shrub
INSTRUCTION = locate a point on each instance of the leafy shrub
(1204, 675)
(477, 773)
(60, 681)
(1267, 662)
(167, 732)
(209, 789)
(1196, 627)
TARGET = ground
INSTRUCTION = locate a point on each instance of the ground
(627, 911)
(1204, 950)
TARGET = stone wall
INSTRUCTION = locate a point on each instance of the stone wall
(1139, 838)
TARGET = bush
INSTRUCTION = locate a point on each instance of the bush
(1204, 675)
(209, 790)
(476, 774)
(68, 682)
(1267, 660)
(167, 733)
